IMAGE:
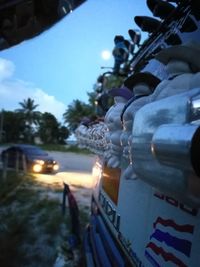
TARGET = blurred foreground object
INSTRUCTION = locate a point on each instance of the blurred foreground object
(24, 19)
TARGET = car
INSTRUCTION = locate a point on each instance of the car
(30, 158)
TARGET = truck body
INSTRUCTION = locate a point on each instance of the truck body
(145, 202)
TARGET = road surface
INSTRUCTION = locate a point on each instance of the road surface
(76, 171)
(73, 162)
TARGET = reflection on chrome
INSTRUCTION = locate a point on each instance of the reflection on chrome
(195, 109)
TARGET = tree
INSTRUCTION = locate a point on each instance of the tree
(48, 128)
(51, 131)
(13, 126)
(63, 134)
(28, 109)
(113, 81)
(92, 98)
(30, 116)
(76, 112)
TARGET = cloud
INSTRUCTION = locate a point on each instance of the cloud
(7, 69)
(48, 103)
(13, 91)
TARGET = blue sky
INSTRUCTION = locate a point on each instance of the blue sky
(63, 63)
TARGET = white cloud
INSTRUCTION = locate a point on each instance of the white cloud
(48, 103)
(7, 69)
(13, 91)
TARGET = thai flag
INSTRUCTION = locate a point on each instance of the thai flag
(170, 243)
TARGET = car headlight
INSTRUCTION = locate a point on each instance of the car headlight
(37, 167)
(55, 167)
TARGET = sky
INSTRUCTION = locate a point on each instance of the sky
(63, 63)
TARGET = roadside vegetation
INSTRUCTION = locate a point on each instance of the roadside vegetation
(28, 125)
(33, 230)
(59, 148)
(65, 148)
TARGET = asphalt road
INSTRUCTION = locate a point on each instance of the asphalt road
(76, 171)
(72, 162)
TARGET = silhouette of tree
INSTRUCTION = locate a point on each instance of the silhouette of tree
(31, 117)
(76, 112)
(13, 126)
(51, 131)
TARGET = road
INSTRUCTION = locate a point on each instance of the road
(74, 162)
(71, 161)
(76, 171)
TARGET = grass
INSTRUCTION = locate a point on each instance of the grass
(32, 227)
(9, 184)
(11, 240)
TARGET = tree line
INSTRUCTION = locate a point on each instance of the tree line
(28, 125)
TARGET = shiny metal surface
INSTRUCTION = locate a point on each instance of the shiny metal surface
(164, 170)
(195, 108)
(171, 145)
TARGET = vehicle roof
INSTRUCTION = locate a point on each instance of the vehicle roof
(24, 147)
(27, 149)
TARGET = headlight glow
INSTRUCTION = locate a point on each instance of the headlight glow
(39, 161)
(55, 167)
(37, 167)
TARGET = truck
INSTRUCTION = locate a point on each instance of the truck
(146, 197)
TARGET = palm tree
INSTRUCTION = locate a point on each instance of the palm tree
(75, 113)
(30, 116)
(28, 109)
